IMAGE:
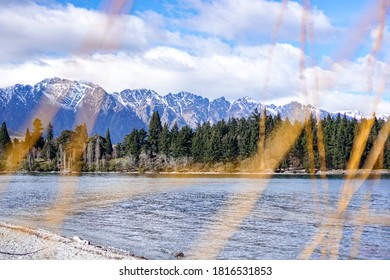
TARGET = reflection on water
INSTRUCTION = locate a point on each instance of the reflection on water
(157, 216)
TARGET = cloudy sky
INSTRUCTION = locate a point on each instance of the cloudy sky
(332, 54)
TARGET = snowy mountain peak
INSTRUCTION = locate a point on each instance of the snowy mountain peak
(351, 114)
(383, 117)
(74, 102)
(65, 93)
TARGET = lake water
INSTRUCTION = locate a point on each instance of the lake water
(156, 216)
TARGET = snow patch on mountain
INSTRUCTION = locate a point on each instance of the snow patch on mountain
(80, 101)
(352, 114)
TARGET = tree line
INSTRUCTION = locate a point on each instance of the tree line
(225, 146)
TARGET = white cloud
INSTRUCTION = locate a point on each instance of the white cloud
(139, 52)
(32, 30)
(339, 101)
(237, 74)
(364, 75)
(253, 19)
(166, 69)
(380, 40)
(350, 85)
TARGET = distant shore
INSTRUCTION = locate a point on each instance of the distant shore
(295, 172)
(205, 173)
(23, 243)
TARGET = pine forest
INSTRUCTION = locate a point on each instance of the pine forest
(235, 145)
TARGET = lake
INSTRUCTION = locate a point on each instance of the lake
(223, 217)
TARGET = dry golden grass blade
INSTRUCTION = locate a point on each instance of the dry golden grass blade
(361, 139)
(275, 34)
(230, 217)
(349, 189)
(225, 224)
(267, 159)
(382, 26)
(309, 249)
(303, 38)
(358, 31)
(98, 199)
(261, 145)
(321, 149)
(280, 144)
(310, 152)
(60, 209)
(66, 192)
(366, 126)
(3, 188)
(382, 11)
(314, 98)
(67, 202)
(359, 144)
(373, 219)
(267, 73)
(112, 31)
(46, 113)
(363, 217)
(308, 29)
(377, 148)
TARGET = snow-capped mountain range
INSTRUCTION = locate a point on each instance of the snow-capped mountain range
(67, 103)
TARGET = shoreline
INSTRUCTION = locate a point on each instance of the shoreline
(25, 243)
(244, 173)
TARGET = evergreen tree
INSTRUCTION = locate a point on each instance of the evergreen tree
(108, 146)
(5, 141)
(49, 133)
(174, 141)
(17, 151)
(185, 142)
(328, 138)
(254, 131)
(48, 148)
(310, 140)
(244, 139)
(65, 137)
(230, 148)
(197, 146)
(81, 133)
(351, 128)
(278, 120)
(386, 154)
(165, 140)
(28, 139)
(142, 136)
(230, 142)
(340, 147)
(297, 155)
(236, 139)
(154, 132)
(334, 157)
(133, 144)
(200, 142)
(37, 135)
(376, 127)
(214, 152)
(78, 144)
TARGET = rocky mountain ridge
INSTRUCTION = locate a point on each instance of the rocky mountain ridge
(67, 103)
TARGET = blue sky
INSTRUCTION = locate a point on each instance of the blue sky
(209, 47)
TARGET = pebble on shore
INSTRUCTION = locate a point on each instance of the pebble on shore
(22, 243)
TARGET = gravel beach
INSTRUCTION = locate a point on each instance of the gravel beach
(22, 243)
